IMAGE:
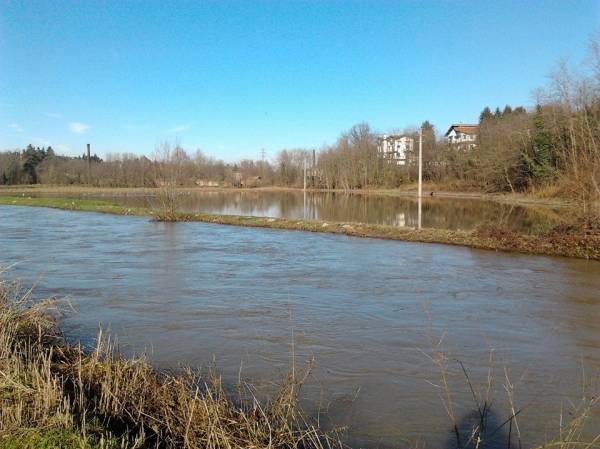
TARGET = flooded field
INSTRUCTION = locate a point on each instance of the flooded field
(442, 213)
(374, 315)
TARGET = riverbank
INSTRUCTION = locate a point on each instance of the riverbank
(57, 395)
(579, 240)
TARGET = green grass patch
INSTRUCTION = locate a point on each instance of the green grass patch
(52, 439)
(88, 205)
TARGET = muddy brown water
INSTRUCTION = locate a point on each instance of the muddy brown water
(442, 213)
(374, 315)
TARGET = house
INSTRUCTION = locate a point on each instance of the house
(462, 135)
(395, 148)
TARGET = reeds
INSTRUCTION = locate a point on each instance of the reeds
(106, 400)
(487, 427)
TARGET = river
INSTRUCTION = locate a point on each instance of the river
(374, 315)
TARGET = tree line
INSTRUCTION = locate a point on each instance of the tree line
(552, 146)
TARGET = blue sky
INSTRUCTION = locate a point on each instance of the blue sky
(232, 77)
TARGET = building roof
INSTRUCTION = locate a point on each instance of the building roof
(463, 128)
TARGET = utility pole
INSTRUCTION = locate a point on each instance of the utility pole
(420, 162)
(262, 163)
(420, 194)
(89, 165)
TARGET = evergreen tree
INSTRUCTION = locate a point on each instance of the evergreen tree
(507, 111)
(485, 115)
(428, 129)
(540, 162)
(497, 113)
(30, 159)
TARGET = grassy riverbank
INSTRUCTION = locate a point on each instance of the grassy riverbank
(580, 240)
(55, 395)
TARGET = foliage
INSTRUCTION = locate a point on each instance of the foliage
(540, 160)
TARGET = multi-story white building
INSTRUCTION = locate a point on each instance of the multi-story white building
(462, 135)
(395, 148)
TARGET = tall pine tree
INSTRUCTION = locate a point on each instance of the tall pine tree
(541, 161)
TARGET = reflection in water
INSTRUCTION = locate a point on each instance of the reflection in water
(443, 213)
(370, 312)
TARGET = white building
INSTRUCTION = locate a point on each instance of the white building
(462, 135)
(395, 149)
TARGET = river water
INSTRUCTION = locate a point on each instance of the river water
(374, 315)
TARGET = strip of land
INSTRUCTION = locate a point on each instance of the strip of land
(579, 240)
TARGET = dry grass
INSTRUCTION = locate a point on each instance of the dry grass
(100, 399)
(579, 238)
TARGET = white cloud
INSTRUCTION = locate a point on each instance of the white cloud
(179, 128)
(52, 114)
(16, 127)
(78, 127)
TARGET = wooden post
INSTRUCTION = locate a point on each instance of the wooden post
(89, 165)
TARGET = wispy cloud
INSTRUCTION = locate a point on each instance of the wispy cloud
(179, 128)
(78, 127)
(52, 114)
(16, 127)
